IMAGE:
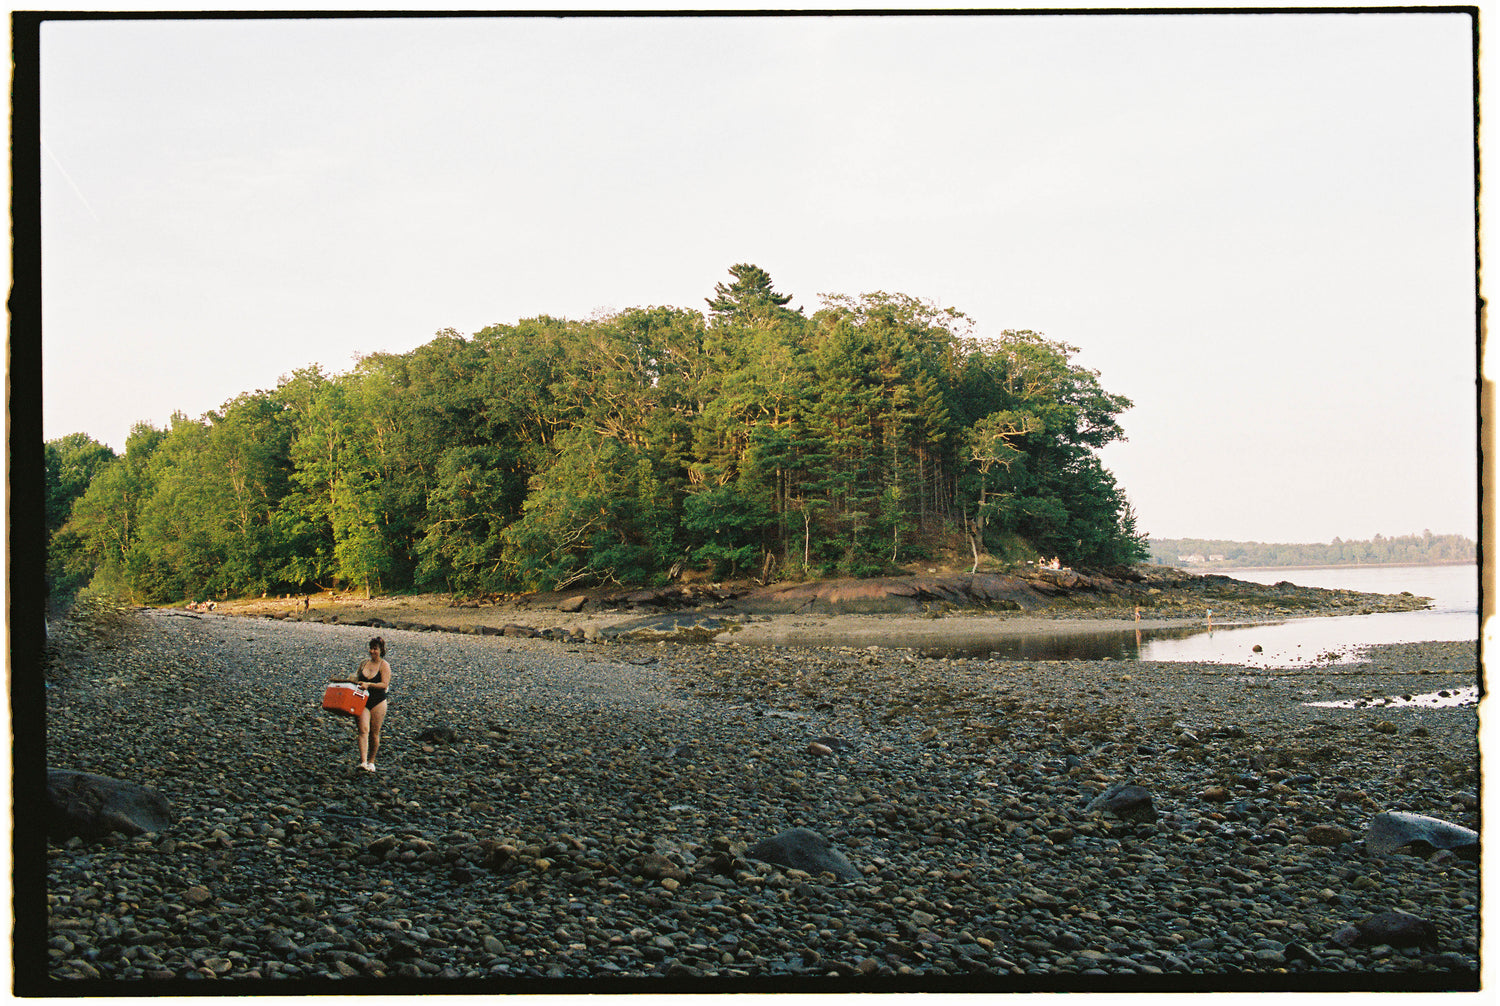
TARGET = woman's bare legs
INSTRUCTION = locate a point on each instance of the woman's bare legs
(364, 736)
(376, 717)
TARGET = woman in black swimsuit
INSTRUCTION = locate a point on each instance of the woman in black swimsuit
(375, 675)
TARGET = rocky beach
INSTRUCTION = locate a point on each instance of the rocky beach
(559, 807)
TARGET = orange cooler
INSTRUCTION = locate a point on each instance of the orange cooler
(345, 698)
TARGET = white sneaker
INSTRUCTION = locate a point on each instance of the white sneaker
(369, 766)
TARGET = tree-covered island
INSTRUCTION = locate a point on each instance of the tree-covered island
(750, 440)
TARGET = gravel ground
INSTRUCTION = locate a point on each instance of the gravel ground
(573, 817)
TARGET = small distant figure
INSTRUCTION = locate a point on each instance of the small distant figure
(1137, 612)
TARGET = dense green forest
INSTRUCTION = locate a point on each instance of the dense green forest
(751, 439)
(1423, 548)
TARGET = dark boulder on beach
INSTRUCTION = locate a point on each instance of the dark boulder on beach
(803, 849)
(1396, 929)
(91, 806)
(1125, 801)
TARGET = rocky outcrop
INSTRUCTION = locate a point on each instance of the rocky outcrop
(684, 628)
(1159, 590)
(1152, 591)
(902, 594)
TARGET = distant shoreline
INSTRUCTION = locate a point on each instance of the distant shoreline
(1207, 568)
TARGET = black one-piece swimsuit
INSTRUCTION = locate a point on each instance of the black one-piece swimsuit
(377, 695)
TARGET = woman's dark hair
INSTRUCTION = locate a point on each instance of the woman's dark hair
(377, 641)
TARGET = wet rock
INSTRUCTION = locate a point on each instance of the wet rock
(1391, 830)
(91, 806)
(1126, 801)
(655, 866)
(803, 849)
(1398, 929)
(1041, 899)
(1328, 834)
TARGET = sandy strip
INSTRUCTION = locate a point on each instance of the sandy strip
(915, 631)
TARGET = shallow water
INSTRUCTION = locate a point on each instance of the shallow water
(1298, 642)
(1446, 699)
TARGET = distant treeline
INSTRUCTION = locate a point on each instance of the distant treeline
(751, 439)
(1412, 548)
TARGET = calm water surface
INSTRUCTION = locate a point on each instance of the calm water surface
(1453, 616)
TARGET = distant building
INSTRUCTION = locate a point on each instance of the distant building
(1216, 558)
(1195, 557)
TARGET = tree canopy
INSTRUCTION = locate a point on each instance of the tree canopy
(751, 440)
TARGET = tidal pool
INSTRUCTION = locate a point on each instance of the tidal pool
(1448, 698)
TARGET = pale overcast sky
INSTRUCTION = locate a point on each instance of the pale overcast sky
(1259, 228)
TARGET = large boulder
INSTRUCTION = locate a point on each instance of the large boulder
(91, 806)
(1397, 929)
(803, 849)
(1394, 829)
(1126, 801)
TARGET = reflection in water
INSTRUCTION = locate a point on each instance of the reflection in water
(1299, 642)
(1114, 644)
